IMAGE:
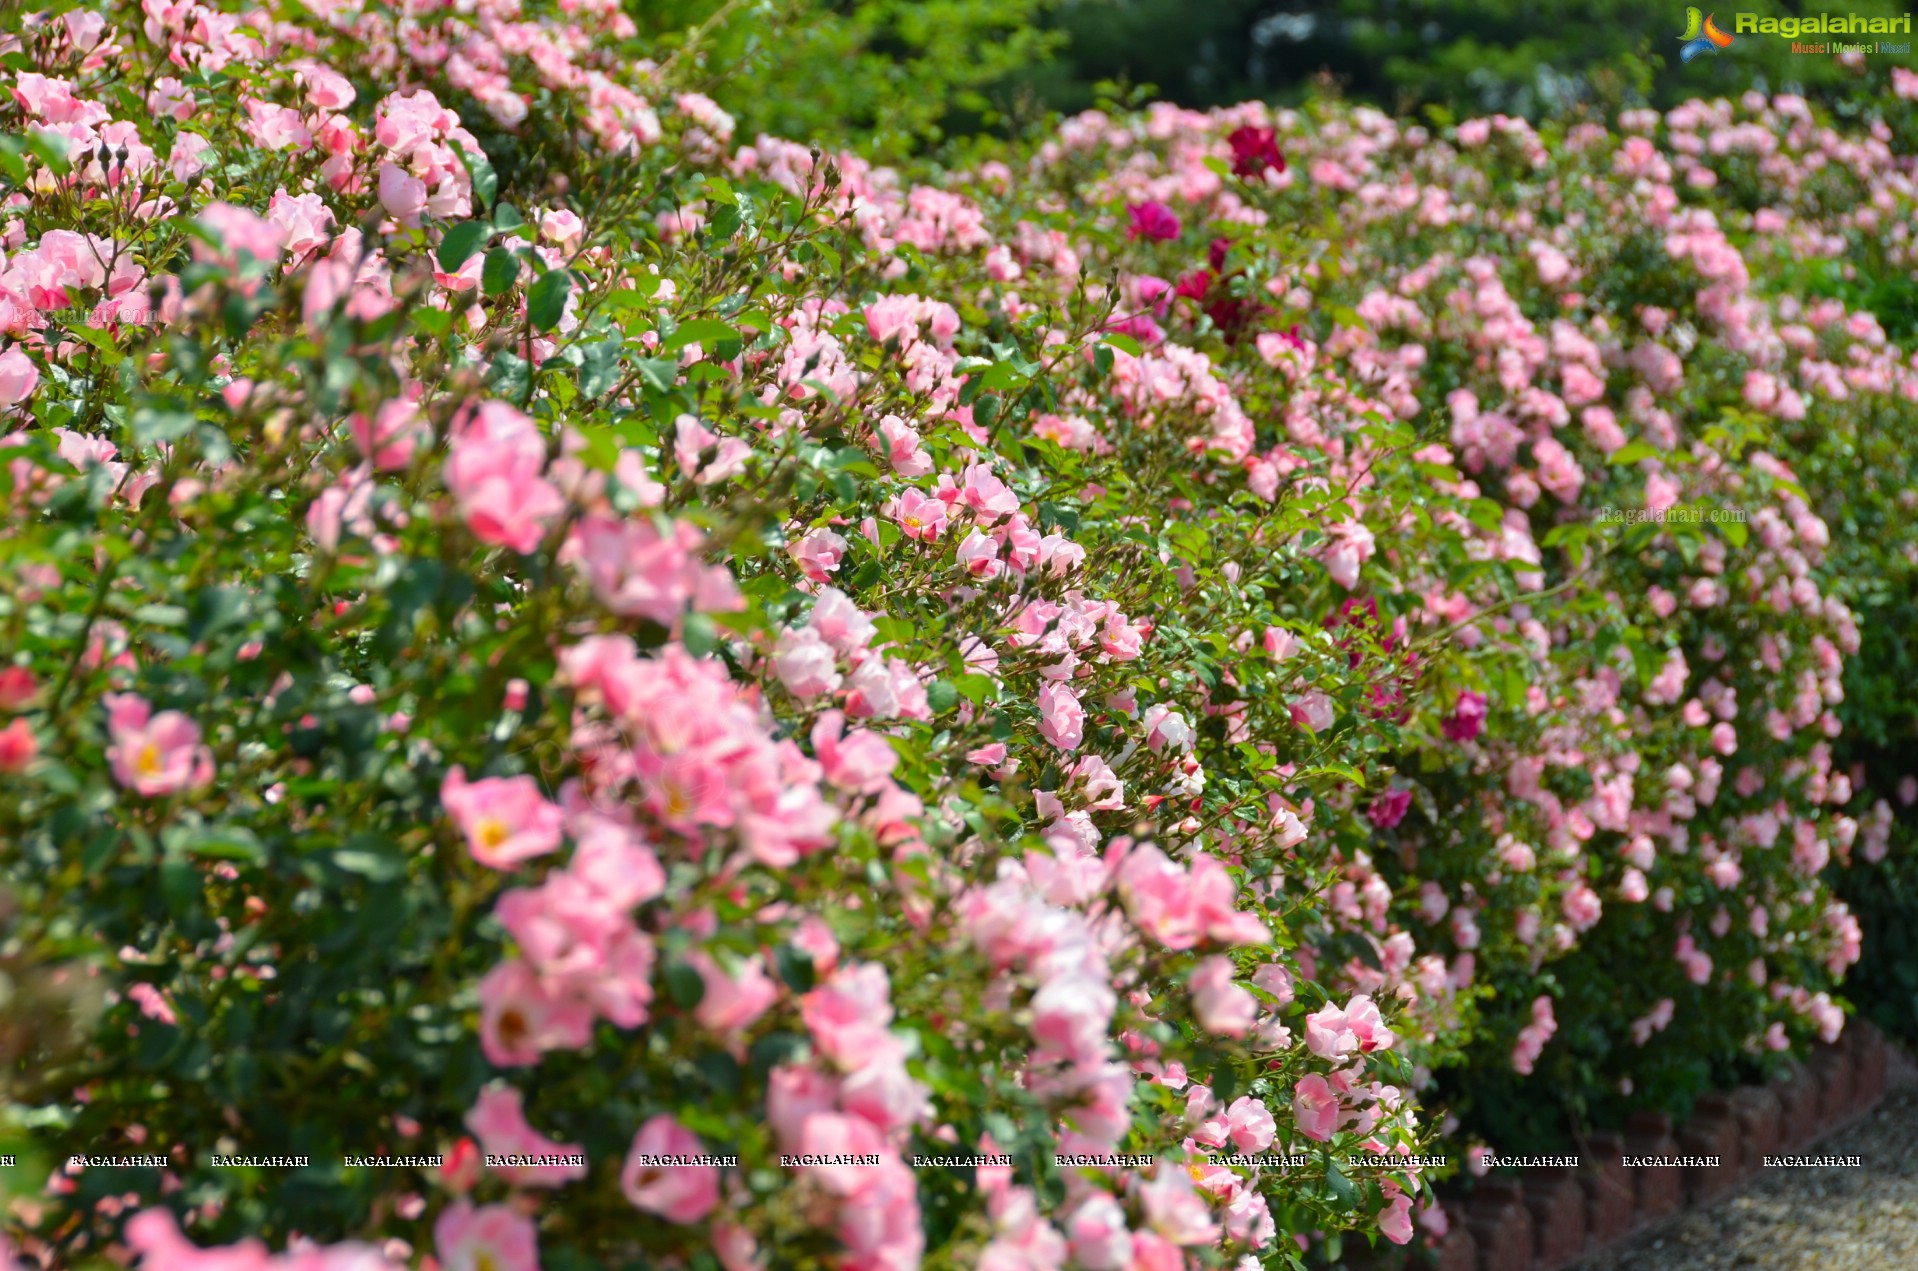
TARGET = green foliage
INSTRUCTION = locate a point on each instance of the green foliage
(889, 75)
(1465, 57)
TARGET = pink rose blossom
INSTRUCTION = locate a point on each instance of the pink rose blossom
(505, 819)
(493, 1238)
(1220, 1005)
(1313, 712)
(499, 1124)
(1152, 220)
(18, 746)
(1467, 718)
(678, 1194)
(1061, 717)
(153, 754)
(18, 377)
(1315, 1108)
(494, 470)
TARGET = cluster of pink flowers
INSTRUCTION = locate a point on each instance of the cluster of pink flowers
(828, 827)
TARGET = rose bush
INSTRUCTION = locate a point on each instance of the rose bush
(670, 646)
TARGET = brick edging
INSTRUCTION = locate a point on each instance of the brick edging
(1553, 1219)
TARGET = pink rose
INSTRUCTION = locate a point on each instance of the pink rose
(805, 663)
(848, 1015)
(389, 439)
(1250, 1124)
(1390, 808)
(18, 746)
(731, 1003)
(681, 1194)
(1313, 712)
(18, 376)
(1061, 717)
(155, 754)
(860, 761)
(521, 1019)
(493, 470)
(560, 227)
(1395, 1220)
(1581, 907)
(1315, 1108)
(1467, 718)
(1220, 1005)
(1096, 1232)
(818, 554)
(402, 194)
(978, 555)
(920, 516)
(1175, 1208)
(1153, 220)
(505, 819)
(501, 1127)
(493, 1238)
(793, 1094)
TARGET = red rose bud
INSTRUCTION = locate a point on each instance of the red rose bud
(1254, 150)
(17, 688)
(462, 1168)
(18, 746)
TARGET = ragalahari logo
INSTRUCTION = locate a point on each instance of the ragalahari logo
(1701, 35)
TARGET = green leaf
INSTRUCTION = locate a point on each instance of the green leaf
(684, 985)
(657, 373)
(773, 1050)
(1340, 1186)
(500, 271)
(702, 331)
(941, 696)
(371, 857)
(1733, 532)
(480, 169)
(180, 885)
(599, 367)
(976, 689)
(1486, 514)
(161, 615)
(150, 426)
(635, 296)
(459, 244)
(546, 299)
(721, 1072)
(1633, 452)
(51, 149)
(509, 375)
(434, 322)
(1125, 342)
(699, 635)
(226, 843)
(795, 968)
(724, 223)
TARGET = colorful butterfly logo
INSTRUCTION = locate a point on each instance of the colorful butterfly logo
(1701, 35)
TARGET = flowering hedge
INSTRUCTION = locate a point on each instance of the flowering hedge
(681, 675)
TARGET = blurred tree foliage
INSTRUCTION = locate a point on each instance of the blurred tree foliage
(899, 75)
(894, 75)
(1530, 57)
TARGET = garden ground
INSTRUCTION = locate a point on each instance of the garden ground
(1783, 1220)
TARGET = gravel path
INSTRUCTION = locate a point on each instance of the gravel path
(1863, 1219)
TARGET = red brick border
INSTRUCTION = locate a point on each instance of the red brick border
(1553, 1217)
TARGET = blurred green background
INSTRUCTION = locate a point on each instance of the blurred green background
(900, 75)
